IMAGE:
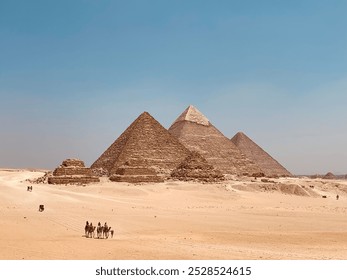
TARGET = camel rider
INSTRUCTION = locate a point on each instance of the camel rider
(87, 223)
(99, 224)
(105, 225)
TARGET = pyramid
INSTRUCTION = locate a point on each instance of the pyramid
(196, 132)
(196, 168)
(135, 171)
(145, 140)
(267, 164)
(329, 175)
(72, 171)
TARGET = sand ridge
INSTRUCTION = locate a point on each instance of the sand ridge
(235, 219)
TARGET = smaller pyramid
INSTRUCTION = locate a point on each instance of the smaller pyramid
(136, 171)
(72, 171)
(250, 149)
(329, 176)
(196, 168)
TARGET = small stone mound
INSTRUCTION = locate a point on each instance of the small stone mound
(72, 171)
(329, 176)
(292, 189)
(136, 170)
(196, 168)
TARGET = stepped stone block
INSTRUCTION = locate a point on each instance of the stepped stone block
(72, 171)
(136, 171)
(72, 180)
(195, 168)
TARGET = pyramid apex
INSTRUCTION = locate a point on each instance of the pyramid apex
(241, 134)
(192, 114)
(145, 113)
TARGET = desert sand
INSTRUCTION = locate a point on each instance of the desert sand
(236, 219)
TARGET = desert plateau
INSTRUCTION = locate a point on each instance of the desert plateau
(239, 218)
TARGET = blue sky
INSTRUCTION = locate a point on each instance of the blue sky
(75, 74)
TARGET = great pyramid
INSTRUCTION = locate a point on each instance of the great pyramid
(267, 164)
(145, 140)
(196, 132)
(196, 168)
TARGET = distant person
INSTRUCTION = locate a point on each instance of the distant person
(337, 197)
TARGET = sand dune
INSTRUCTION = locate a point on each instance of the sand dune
(238, 219)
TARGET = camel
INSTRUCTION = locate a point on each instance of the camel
(86, 228)
(99, 231)
(91, 231)
(106, 231)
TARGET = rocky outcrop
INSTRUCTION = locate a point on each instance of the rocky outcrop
(196, 168)
(72, 171)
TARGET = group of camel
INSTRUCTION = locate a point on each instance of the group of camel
(101, 231)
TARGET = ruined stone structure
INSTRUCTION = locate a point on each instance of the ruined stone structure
(72, 171)
(145, 139)
(196, 168)
(268, 165)
(196, 132)
(135, 171)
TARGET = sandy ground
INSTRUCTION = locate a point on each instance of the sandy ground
(174, 220)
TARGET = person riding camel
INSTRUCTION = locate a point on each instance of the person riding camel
(99, 224)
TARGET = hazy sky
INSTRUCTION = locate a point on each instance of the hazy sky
(75, 74)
